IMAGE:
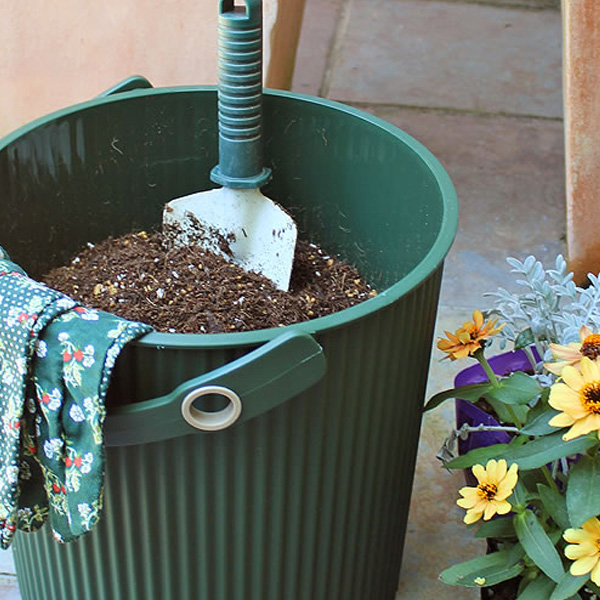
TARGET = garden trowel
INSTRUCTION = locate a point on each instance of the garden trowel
(236, 220)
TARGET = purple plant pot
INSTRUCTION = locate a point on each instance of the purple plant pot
(502, 364)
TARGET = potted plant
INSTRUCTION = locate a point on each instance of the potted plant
(532, 458)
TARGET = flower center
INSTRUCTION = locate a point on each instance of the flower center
(473, 332)
(590, 394)
(487, 490)
(591, 346)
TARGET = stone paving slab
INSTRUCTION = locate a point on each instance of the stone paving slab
(7, 564)
(509, 177)
(436, 537)
(444, 54)
(320, 22)
(535, 4)
(9, 589)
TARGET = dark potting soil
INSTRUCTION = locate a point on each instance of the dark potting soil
(508, 590)
(189, 290)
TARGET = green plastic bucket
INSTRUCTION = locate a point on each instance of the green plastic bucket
(305, 493)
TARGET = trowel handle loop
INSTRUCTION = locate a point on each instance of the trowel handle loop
(240, 96)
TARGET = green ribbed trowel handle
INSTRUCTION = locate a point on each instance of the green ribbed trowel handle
(240, 96)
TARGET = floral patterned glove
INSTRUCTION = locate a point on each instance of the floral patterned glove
(56, 359)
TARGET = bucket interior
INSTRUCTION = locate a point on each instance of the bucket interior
(357, 187)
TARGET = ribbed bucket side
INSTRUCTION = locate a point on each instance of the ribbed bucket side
(306, 502)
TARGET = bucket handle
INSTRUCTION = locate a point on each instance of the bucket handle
(134, 82)
(255, 383)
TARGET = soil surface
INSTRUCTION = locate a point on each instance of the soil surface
(189, 290)
(507, 590)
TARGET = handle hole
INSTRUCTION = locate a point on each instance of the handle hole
(238, 7)
(211, 403)
(211, 420)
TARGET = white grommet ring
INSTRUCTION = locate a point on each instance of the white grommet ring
(211, 421)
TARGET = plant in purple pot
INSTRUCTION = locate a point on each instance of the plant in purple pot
(528, 432)
(468, 413)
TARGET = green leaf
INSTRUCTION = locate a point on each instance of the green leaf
(500, 527)
(516, 553)
(519, 495)
(583, 499)
(556, 505)
(555, 536)
(537, 423)
(593, 587)
(477, 456)
(530, 479)
(503, 413)
(538, 545)
(470, 393)
(490, 567)
(517, 388)
(524, 339)
(568, 586)
(544, 450)
(539, 589)
(529, 455)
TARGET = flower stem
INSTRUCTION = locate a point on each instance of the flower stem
(530, 356)
(493, 379)
(513, 416)
(549, 479)
(466, 429)
(485, 365)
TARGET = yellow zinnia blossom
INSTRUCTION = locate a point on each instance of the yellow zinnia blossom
(469, 338)
(496, 483)
(585, 549)
(577, 396)
(571, 355)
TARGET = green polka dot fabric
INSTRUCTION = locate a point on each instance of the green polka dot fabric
(56, 359)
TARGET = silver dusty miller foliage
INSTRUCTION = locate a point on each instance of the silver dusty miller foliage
(550, 309)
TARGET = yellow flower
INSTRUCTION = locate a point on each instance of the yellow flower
(571, 355)
(495, 484)
(584, 549)
(469, 338)
(577, 396)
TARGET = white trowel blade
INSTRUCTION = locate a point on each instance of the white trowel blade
(243, 226)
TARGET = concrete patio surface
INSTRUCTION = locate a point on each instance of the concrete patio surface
(479, 83)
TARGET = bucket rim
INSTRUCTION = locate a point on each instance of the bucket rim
(432, 260)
